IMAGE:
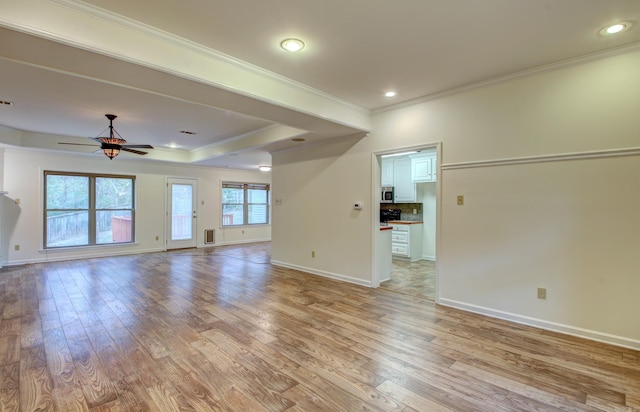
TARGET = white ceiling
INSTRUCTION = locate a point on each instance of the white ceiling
(215, 67)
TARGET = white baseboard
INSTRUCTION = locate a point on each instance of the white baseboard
(53, 258)
(431, 258)
(543, 324)
(323, 273)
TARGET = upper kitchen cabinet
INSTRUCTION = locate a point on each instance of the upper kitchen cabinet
(396, 171)
(423, 167)
(386, 172)
(404, 188)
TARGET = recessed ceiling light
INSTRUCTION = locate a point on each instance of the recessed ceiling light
(264, 168)
(173, 145)
(390, 94)
(292, 45)
(615, 28)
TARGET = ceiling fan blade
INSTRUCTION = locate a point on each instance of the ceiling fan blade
(77, 144)
(138, 146)
(139, 152)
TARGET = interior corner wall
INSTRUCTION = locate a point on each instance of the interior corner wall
(568, 225)
(315, 226)
(22, 223)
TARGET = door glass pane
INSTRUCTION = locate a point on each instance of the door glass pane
(181, 210)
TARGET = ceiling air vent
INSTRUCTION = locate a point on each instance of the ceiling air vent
(6, 103)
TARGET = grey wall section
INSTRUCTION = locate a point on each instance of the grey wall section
(568, 225)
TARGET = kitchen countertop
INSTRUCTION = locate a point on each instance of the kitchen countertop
(404, 222)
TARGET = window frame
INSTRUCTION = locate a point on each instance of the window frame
(245, 186)
(92, 209)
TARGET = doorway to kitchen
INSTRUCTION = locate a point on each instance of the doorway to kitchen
(412, 174)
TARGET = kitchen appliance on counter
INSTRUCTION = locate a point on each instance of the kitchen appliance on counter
(389, 214)
(387, 194)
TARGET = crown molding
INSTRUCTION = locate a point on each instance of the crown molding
(513, 76)
(118, 19)
(86, 27)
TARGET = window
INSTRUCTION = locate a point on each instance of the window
(245, 204)
(86, 209)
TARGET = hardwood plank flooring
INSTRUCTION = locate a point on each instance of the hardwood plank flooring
(222, 329)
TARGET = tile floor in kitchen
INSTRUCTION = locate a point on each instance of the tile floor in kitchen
(413, 278)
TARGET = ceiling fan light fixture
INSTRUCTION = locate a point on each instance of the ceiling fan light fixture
(292, 45)
(111, 152)
(112, 140)
(113, 144)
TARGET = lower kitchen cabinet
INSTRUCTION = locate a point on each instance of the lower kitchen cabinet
(406, 241)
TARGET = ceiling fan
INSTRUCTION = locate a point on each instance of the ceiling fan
(112, 145)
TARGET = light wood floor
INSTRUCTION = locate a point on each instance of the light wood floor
(222, 329)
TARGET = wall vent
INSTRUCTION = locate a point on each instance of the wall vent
(209, 236)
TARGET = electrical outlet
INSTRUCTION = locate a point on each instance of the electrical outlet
(157, 238)
(542, 293)
(460, 200)
(313, 253)
(17, 201)
(17, 247)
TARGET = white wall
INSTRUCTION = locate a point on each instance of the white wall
(569, 226)
(22, 224)
(426, 193)
(317, 187)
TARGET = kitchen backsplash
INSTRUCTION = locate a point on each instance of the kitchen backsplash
(406, 210)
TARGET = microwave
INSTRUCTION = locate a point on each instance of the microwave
(387, 194)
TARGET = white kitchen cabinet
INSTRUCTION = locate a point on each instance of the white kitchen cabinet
(403, 187)
(406, 241)
(423, 167)
(386, 172)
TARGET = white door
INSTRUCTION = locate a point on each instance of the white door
(181, 213)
